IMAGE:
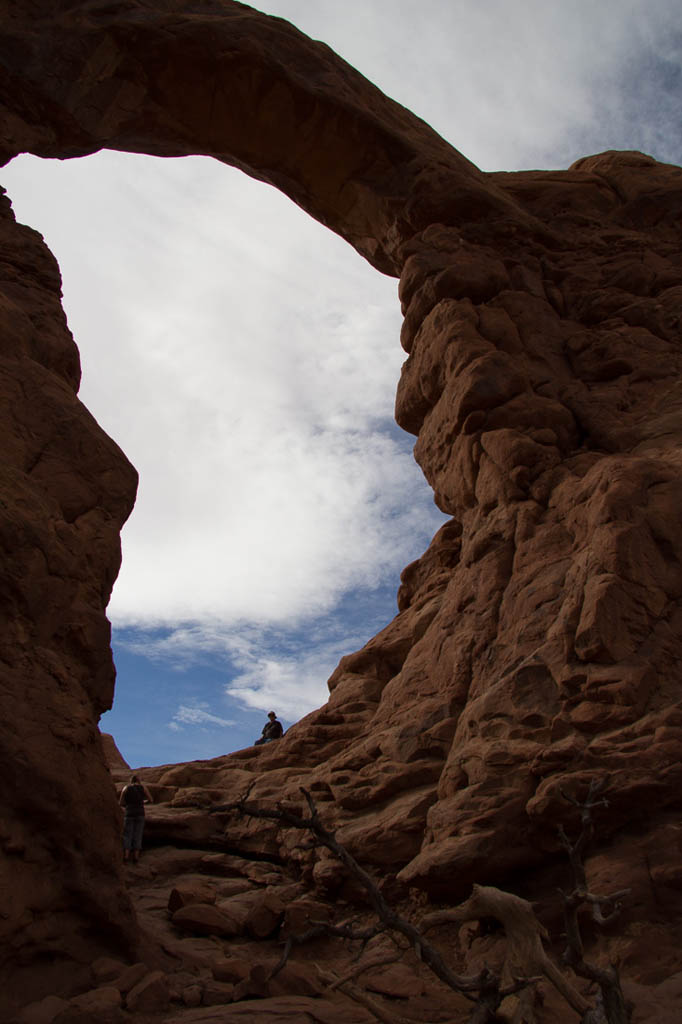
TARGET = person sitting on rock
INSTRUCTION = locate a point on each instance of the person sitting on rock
(272, 730)
(133, 798)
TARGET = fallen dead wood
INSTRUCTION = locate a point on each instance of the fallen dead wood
(484, 989)
(611, 1006)
(526, 959)
(524, 933)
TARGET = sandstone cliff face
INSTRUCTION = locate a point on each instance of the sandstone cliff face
(66, 491)
(538, 640)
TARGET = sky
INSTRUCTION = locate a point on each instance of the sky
(246, 359)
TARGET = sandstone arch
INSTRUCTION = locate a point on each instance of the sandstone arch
(539, 637)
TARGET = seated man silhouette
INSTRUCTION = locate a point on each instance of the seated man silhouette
(272, 730)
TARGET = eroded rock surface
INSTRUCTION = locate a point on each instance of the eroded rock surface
(538, 640)
(112, 755)
(60, 880)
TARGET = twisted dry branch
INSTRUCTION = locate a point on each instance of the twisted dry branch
(483, 989)
(611, 1005)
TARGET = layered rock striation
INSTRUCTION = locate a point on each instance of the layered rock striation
(538, 640)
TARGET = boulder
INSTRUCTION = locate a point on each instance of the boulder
(131, 977)
(296, 979)
(191, 891)
(192, 995)
(204, 919)
(44, 1011)
(107, 969)
(101, 1004)
(231, 969)
(301, 914)
(258, 912)
(150, 995)
(216, 993)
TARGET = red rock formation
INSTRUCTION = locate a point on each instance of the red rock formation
(538, 639)
(112, 755)
(66, 491)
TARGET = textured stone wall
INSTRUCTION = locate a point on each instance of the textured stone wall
(66, 490)
(538, 640)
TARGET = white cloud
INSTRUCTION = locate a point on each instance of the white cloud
(266, 668)
(290, 674)
(196, 714)
(293, 685)
(246, 360)
(316, 516)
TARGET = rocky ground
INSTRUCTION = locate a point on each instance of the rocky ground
(215, 923)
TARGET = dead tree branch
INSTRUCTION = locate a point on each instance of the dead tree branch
(576, 850)
(369, 965)
(323, 928)
(524, 933)
(611, 1007)
(483, 989)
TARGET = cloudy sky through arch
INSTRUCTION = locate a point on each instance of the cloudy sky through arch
(245, 359)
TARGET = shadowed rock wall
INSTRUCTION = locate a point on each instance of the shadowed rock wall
(538, 640)
(66, 491)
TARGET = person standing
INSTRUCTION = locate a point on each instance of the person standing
(132, 799)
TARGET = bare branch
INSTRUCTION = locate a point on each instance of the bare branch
(323, 928)
(524, 934)
(614, 897)
(519, 984)
(485, 985)
(611, 1006)
(234, 805)
(598, 902)
(523, 931)
(382, 961)
(390, 918)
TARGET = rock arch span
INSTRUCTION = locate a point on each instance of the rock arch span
(538, 639)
